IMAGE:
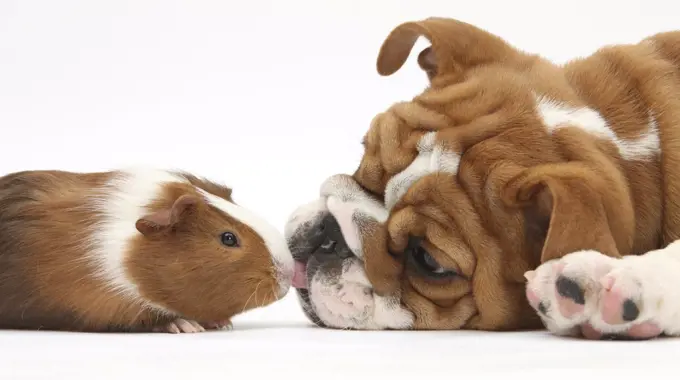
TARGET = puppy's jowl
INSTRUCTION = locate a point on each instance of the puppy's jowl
(512, 193)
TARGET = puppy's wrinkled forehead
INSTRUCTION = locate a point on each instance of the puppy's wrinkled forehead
(476, 86)
(392, 143)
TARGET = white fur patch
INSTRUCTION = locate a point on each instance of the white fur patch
(347, 201)
(304, 214)
(123, 202)
(557, 115)
(344, 215)
(431, 158)
(347, 190)
(273, 239)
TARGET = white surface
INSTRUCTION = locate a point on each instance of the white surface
(270, 97)
(288, 350)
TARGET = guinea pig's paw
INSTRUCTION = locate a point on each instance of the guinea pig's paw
(219, 325)
(565, 292)
(180, 325)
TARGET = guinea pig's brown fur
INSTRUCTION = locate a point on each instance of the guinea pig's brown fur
(132, 250)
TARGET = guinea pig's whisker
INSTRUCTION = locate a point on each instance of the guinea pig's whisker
(251, 296)
(264, 299)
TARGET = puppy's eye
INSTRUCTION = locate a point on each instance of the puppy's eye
(428, 266)
(229, 239)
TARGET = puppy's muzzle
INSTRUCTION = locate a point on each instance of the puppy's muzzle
(334, 245)
(327, 249)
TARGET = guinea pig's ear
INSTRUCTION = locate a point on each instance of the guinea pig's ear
(167, 217)
(575, 208)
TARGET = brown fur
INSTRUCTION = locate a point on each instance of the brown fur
(47, 280)
(521, 196)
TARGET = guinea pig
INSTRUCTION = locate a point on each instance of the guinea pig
(134, 250)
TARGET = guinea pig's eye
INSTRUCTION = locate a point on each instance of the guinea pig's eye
(428, 266)
(229, 239)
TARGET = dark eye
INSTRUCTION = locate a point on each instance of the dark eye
(428, 266)
(229, 239)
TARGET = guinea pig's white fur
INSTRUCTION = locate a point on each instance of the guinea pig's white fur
(135, 256)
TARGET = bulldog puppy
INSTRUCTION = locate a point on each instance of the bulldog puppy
(510, 193)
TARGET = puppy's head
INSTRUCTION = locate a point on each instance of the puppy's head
(459, 192)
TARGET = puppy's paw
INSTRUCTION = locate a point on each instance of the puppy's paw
(180, 325)
(589, 294)
(629, 304)
(565, 292)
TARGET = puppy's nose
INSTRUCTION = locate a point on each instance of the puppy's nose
(333, 243)
(328, 246)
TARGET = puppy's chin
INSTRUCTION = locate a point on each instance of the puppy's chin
(338, 295)
(331, 294)
(306, 304)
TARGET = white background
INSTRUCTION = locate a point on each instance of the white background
(269, 97)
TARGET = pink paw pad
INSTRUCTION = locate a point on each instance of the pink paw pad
(617, 308)
(645, 330)
(589, 332)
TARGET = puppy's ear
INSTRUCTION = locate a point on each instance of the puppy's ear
(574, 208)
(456, 46)
(166, 217)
